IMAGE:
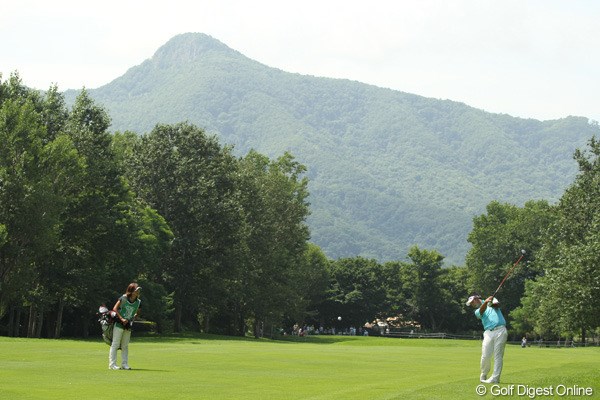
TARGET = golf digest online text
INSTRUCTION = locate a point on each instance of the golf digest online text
(532, 391)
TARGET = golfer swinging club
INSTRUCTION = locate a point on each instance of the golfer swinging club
(494, 336)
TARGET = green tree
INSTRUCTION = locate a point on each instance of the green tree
(38, 170)
(536, 315)
(54, 112)
(105, 233)
(312, 281)
(425, 269)
(356, 292)
(453, 315)
(396, 288)
(22, 190)
(191, 181)
(571, 253)
(497, 239)
(274, 198)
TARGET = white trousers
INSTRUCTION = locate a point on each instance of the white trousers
(120, 339)
(493, 344)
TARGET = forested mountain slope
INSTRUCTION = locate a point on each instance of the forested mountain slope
(387, 169)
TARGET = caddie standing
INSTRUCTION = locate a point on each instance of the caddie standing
(127, 308)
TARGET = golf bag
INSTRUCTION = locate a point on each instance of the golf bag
(107, 322)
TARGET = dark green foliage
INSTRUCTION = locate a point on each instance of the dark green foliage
(277, 271)
(83, 213)
(191, 181)
(568, 294)
(452, 314)
(425, 269)
(39, 170)
(498, 238)
(355, 293)
(220, 243)
(72, 235)
(387, 169)
(362, 290)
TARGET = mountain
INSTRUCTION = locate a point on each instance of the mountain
(387, 169)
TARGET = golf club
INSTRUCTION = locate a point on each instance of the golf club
(509, 272)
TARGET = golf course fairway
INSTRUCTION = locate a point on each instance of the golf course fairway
(321, 367)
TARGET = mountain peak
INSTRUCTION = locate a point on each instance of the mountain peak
(188, 47)
(376, 185)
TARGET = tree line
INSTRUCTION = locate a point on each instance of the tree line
(214, 240)
(219, 243)
(556, 292)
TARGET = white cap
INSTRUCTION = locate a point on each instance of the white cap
(471, 298)
(476, 296)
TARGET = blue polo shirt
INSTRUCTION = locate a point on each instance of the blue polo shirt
(491, 318)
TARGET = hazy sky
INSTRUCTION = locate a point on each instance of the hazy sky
(527, 58)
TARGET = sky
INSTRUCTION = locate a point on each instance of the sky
(526, 58)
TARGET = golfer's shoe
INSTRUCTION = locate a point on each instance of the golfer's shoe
(482, 378)
(113, 367)
(125, 367)
(492, 380)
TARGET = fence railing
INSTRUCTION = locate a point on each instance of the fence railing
(436, 335)
(559, 343)
(530, 343)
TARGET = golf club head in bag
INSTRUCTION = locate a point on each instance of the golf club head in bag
(107, 322)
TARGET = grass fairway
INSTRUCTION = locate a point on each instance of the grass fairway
(213, 367)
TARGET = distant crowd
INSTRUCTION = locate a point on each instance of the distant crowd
(305, 330)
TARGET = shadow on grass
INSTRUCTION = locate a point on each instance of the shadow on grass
(134, 370)
(197, 338)
(320, 339)
(190, 336)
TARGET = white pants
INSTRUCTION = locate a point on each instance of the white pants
(120, 339)
(493, 343)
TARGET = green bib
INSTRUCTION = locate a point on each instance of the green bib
(128, 309)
